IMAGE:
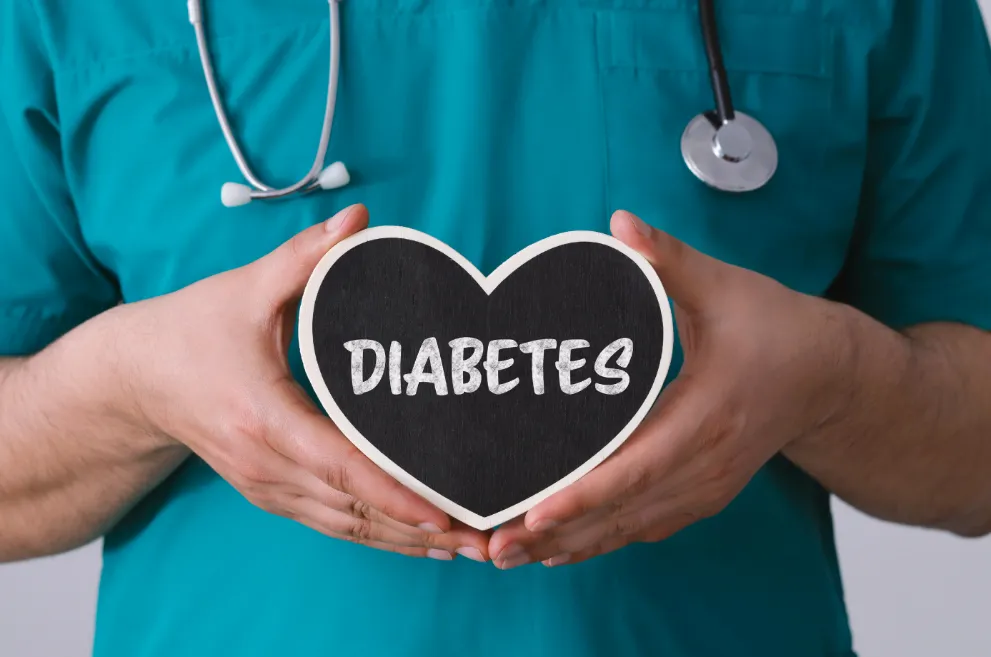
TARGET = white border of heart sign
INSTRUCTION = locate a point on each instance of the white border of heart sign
(488, 284)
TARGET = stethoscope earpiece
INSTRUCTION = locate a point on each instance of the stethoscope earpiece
(334, 176)
(234, 194)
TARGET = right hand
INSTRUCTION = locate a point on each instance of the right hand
(207, 366)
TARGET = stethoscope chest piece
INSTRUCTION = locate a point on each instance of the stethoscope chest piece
(737, 156)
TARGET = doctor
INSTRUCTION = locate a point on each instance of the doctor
(832, 297)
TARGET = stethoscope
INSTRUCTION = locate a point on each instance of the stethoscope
(726, 149)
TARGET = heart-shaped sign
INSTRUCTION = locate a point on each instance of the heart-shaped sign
(485, 394)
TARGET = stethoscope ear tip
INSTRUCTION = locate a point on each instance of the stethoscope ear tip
(233, 195)
(334, 176)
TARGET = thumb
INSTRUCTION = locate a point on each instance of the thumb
(690, 277)
(283, 273)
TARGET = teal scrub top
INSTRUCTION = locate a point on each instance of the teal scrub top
(489, 124)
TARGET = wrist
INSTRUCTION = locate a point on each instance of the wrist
(864, 362)
(835, 375)
(110, 350)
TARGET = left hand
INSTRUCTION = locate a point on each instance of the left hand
(764, 365)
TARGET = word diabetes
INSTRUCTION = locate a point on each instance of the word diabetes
(468, 358)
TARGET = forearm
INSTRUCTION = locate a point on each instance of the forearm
(911, 440)
(72, 461)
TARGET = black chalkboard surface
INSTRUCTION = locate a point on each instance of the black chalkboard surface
(485, 395)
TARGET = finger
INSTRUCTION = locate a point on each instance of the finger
(514, 534)
(282, 478)
(606, 546)
(690, 277)
(362, 530)
(514, 538)
(283, 273)
(655, 524)
(310, 439)
(419, 552)
(301, 484)
(649, 520)
(660, 446)
(597, 528)
(354, 507)
(472, 544)
(569, 539)
(359, 529)
(508, 535)
(459, 538)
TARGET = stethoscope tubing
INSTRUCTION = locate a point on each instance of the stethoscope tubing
(309, 181)
(726, 149)
(717, 70)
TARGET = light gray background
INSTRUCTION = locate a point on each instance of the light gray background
(911, 592)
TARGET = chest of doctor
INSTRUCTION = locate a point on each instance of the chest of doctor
(488, 123)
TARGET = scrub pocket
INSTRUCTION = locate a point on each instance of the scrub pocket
(654, 81)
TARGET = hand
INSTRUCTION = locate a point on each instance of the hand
(764, 365)
(206, 366)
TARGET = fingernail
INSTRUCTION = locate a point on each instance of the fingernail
(333, 224)
(557, 560)
(639, 225)
(510, 551)
(515, 562)
(430, 528)
(440, 555)
(470, 553)
(512, 556)
(543, 525)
